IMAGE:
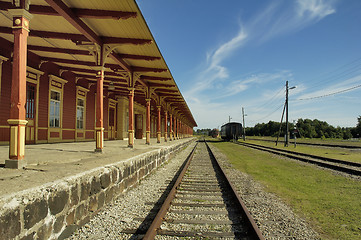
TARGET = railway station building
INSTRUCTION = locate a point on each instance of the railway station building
(83, 70)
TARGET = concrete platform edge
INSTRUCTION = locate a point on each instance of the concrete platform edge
(54, 210)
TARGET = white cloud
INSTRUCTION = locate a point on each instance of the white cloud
(315, 9)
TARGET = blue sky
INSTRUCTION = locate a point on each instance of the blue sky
(225, 55)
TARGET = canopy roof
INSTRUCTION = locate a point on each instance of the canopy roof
(71, 32)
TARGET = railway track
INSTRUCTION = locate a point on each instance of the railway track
(202, 204)
(352, 168)
(311, 144)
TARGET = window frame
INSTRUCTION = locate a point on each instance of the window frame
(56, 84)
(58, 103)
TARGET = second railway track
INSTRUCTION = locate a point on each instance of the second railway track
(352, 168)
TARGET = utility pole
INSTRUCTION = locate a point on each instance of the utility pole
(287, 128)
(286, 141)
(244, 127)
(229, 118)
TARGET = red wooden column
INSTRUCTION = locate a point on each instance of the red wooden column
(147, 127)
(131, 118)
(165, 126)
(170, 127)
(158, 124)
(181, 129)
(176, 128)
(99, 127)
(17, 121)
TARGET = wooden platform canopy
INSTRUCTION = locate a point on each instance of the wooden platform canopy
(106, 42)
(81, 35)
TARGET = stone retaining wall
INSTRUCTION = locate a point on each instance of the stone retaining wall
(55, 210)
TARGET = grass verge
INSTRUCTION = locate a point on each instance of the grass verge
(331, 203)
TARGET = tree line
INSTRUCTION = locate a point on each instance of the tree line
(304, 128)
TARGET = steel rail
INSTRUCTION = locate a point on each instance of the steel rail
(298, 156)
(255, 232)
(152, 230)
(354, 164)
(312, 144)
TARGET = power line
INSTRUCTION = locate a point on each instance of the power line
(330, 94)
(269, 114)
(350, 67)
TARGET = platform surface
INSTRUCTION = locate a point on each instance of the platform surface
(50, 162)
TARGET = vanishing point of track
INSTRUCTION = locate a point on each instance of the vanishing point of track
(352, 168)
(202, 189)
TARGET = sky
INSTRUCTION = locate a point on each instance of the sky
(225, 55)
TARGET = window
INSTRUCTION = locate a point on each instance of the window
(54, 115)
(30, 101)
(80, 113)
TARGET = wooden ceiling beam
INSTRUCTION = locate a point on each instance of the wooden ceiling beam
(77, 62)
(115, 80)
(145, 69)
(79, 12)
(70, 16)
(161, 85)
(58, 50)
(73, 69)
(87, 53)
(144, 77)
(139, 57)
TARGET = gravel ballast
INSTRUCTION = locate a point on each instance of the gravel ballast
(275, 219)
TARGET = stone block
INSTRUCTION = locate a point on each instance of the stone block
(93, 204)
(109, 195)
(85, 190)
(28, 237)
(59, 223)
(70, 218)
(44, 232)
(80, 212)
(57, 201)
(95, 186)
(67, 232)
(141, 173)
(10, 225)
(35, 212)
(101, 200)
(105, 180)
(126, 171)
(74, 196)
(115, 175)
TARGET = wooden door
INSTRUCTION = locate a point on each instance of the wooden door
(30, 112)
(112, 121)
(138, 126)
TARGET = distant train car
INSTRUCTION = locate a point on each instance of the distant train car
(232, 130)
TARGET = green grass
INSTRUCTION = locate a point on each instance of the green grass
(331, 203)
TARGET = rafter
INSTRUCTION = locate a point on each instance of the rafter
(87, 53)
(79, 12)
(70, 16)
(59, 50)
(145, 69)
(139, 57)
(144, 77)
(115, 80)
(78, 38)
(161, 85)
(73, 69)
